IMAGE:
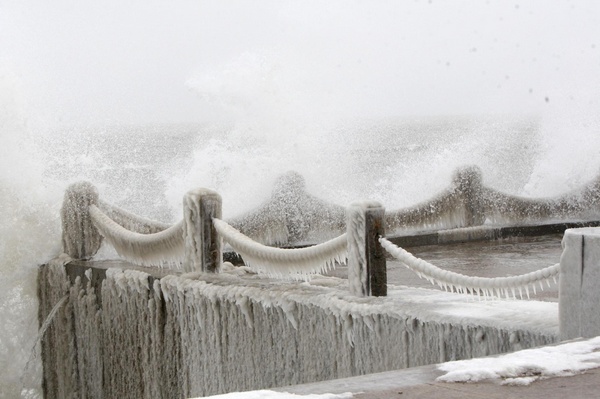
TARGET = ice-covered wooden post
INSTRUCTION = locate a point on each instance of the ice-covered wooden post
(468, 181)
(579, 293)
(80, 238)
(202, 242)
(367, 274)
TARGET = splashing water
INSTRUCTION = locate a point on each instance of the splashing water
(229, 97)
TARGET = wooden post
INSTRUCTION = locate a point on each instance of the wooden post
(579, 296)
(468, 181)
(367, 270)
(80, 238)
(203, 246)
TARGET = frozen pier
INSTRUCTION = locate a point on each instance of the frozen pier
(173, 320)
(124, 331)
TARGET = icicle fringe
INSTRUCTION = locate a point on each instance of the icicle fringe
(497, 286)
(297, 263)
(165, 247)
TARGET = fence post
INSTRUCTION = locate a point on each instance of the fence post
(468, 181)
(367, 273)
(579, 296)
(203, 246)
(80, 238)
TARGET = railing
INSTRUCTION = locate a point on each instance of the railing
(292, 216)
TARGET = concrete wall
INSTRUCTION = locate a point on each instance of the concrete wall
(127, 333)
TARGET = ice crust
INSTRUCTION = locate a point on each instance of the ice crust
(202, 334)
(296, 263)
(161, 248)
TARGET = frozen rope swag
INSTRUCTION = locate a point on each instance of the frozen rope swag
(499, 286)
(292, 216)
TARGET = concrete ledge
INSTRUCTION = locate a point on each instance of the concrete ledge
(127, 332)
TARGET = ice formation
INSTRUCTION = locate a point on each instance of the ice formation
(131, 221)
(203, 246)
(358, 245)
(467, 202)
(499, 286)
(202, 334)
(80, 239)
(295, 262)
(166, 246)
(357, 258)
(293, 216)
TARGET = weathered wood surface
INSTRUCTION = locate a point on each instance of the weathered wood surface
(376, 261)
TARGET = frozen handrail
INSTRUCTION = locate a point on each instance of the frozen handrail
(166, 246)
(474, 285)
(295, 262)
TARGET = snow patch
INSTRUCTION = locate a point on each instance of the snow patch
(526, 366)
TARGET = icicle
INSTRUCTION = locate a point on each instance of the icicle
(520, 293)
(548, 282)
(554, 279)
(541, 285)
(533, 286)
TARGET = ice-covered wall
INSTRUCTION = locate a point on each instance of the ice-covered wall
(125, 333)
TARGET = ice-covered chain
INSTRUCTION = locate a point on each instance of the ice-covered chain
(474, 285)
(296, 262)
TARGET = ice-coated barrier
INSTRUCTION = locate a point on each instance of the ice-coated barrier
(127, 333)
(482, 286)
(293, 216)
(579, 298)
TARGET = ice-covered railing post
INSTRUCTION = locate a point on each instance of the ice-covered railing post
(80, 238)
(367, 274)
(203, 245)
(579, 296)
(468, 182)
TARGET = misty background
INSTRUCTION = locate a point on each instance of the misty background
(366, 99)
(192, 61)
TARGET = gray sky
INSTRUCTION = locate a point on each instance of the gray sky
(179, 61)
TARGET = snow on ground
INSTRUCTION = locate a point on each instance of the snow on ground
(526, 366)
(264, 394)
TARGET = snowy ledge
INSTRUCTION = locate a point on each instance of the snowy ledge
(427, 305)
(268, 333)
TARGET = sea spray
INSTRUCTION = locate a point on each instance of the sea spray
(30, 235)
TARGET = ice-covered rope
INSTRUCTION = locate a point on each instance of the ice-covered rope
(448, 280)
(130, 220)
(164, 247)
(281, 262)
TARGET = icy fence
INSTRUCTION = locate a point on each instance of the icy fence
(126, 333)
(292, 216)
(482, 286)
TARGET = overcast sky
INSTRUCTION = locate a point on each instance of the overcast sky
(179, 61)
